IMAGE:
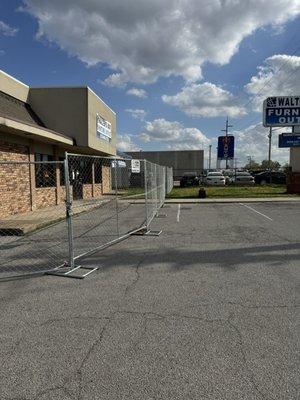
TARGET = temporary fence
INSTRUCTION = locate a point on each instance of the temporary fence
(54, 213)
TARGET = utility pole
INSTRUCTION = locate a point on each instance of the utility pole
(226, 134)
(270, 146)
(250, 162)
(209, 158)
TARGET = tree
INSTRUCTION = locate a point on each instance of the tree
(252, 166)
(275, 165)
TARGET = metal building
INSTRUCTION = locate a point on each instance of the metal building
(182, 161)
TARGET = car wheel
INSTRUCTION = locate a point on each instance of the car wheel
(263, 182)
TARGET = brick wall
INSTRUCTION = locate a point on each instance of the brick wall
(87, 190)
(97, 190)
(18, 193)
(106, 184)
(45, 197)
(14, 180)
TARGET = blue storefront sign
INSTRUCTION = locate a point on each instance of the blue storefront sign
(282, 111)
(289, 140)
(225, 147)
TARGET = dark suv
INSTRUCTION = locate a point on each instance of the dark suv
(189, 179)
(264, 177)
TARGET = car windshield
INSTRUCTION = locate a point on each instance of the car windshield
(190, 174)
(243, 174)
(215, 174)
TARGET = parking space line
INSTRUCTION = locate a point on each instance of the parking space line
(257, 212)
(178, 213)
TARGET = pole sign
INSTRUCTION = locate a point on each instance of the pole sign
(281, 111)
(135, 166)
(289, 140)
(225, 147)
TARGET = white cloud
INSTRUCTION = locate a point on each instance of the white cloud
(253, 141)
(279, 76)
(205, 100)
(137, 92)
(116, 80)
(7, 30)
(142, 40)
(125, 143)
(173, 134)
(137, 113)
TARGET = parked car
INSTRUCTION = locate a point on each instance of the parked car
(229, 176)
(276, 177)
(243, 178)
(189, 179)
(215, 179)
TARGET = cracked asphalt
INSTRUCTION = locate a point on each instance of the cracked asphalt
(208, 310)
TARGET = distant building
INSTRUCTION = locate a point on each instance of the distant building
(182, 161)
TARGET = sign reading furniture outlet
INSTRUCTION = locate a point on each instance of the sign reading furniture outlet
(281, 111)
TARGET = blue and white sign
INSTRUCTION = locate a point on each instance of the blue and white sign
(103, 128)
(289, 140)
(225, 147)
(281, 111)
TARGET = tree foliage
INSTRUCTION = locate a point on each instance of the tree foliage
(264, 165)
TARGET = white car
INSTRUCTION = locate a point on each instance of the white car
(243, 178)
(215, 179)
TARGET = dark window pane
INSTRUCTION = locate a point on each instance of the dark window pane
(44, 173)
(98, 171)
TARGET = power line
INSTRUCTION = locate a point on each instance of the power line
(256, 120)
(283, 64)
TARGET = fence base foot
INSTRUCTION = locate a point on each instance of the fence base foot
(153, 233)
(145, 232)
(70, 272)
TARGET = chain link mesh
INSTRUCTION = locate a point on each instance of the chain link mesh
(53, 213)
(33, 230)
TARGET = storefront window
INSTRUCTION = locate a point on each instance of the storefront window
(98, 170)
(44, 172)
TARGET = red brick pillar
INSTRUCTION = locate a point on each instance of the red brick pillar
(93, 179)
(32, 178)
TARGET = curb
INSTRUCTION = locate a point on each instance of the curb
(226, 201)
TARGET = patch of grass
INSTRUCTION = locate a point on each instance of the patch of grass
(230, 191)
(137, 192)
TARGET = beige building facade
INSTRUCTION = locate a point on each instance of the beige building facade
(40, 125)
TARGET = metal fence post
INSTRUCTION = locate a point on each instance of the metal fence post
(116, 193)
(69, 212)
(146, 194)
(156, 189)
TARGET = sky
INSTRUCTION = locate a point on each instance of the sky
(172, 70)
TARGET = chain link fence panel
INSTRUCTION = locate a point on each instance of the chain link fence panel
(169, 179)
(54, 213)
(33, 230)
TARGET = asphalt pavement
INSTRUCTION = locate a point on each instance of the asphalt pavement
(207, 310)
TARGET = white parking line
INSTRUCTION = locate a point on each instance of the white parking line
(178, 213)
(257, 212)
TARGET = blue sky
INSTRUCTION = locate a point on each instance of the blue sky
(194, 64)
